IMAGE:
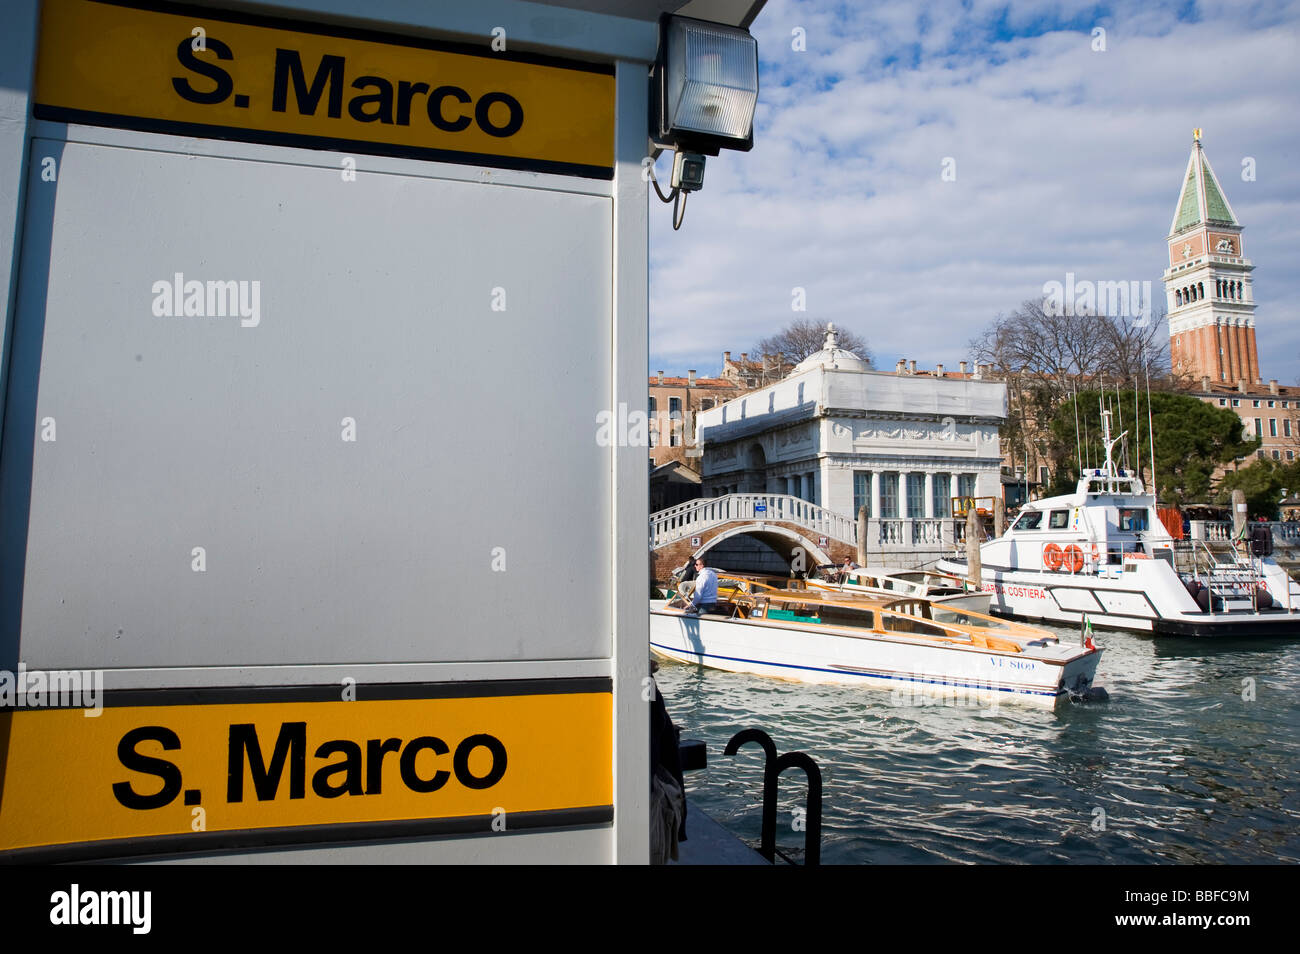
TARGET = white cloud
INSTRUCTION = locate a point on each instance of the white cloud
(1067, 160)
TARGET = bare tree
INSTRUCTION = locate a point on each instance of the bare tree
(1045, 356)
(803, 337)
(1059, 353)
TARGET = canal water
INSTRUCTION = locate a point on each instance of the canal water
(1194, 759)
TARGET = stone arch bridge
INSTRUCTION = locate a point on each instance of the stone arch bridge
(785, 523)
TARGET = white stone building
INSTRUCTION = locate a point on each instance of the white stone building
(838, 434)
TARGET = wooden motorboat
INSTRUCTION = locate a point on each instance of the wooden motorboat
(893, 582)
(909, 645)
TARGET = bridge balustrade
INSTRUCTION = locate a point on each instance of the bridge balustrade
(902, 534)
(1285, 533)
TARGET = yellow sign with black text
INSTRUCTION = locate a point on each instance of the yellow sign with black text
(175, 777)
(228, 76)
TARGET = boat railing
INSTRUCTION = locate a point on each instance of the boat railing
(1223, 573)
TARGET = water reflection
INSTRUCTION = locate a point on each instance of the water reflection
(1192, 760)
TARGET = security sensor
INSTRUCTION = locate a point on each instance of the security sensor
(688, 171)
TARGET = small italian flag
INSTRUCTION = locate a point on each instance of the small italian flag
(1086, 633)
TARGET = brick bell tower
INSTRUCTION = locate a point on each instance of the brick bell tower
(1211, 304)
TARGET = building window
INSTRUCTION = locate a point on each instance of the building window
(1236, 402)
(1277, 455)
(707, 404)
(1255, 404)
(1259, 428)
(965, 485)
(1272, 427)
(861, 491)
(1290, 455)
(1271, 403)
(916, 495)
(889, 495)
(941, 497)
(1223, 402)
(1286, 427)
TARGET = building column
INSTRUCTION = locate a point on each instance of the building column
(1243, 359)
(1249, 356)
(1252, 352)
(1225, 345)
(1233, 351)
(929, 494)
(903, 510)
(875, 495)
(1238, 356)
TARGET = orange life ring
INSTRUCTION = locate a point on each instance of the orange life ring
(1073, 558)
(1052, 556)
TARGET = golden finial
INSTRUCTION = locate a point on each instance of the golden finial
(1196, 134)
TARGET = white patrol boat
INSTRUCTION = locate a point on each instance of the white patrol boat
(1103, 553)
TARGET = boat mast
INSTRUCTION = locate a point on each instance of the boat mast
(1137, 434)
(1151, 434)
(1112, 478)
(1078, 447)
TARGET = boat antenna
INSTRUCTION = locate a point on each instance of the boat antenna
(1151, 434)
(1087, 444)
(1119, 417)
(1078, 448)
(1105, 422)
(1137, 431)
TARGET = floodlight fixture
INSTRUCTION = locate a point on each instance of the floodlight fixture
(704, 87)
(703, 92)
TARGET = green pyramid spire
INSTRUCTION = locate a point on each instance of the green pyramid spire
(1189, 205)
(1201, 201)
(1216, 205)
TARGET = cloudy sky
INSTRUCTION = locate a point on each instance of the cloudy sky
(1067, 159)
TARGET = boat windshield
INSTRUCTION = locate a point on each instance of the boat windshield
(1132, 520)
(1029, 520)
(957, 617)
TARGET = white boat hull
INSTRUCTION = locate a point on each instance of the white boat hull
(913, 671)
(1146, 597)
